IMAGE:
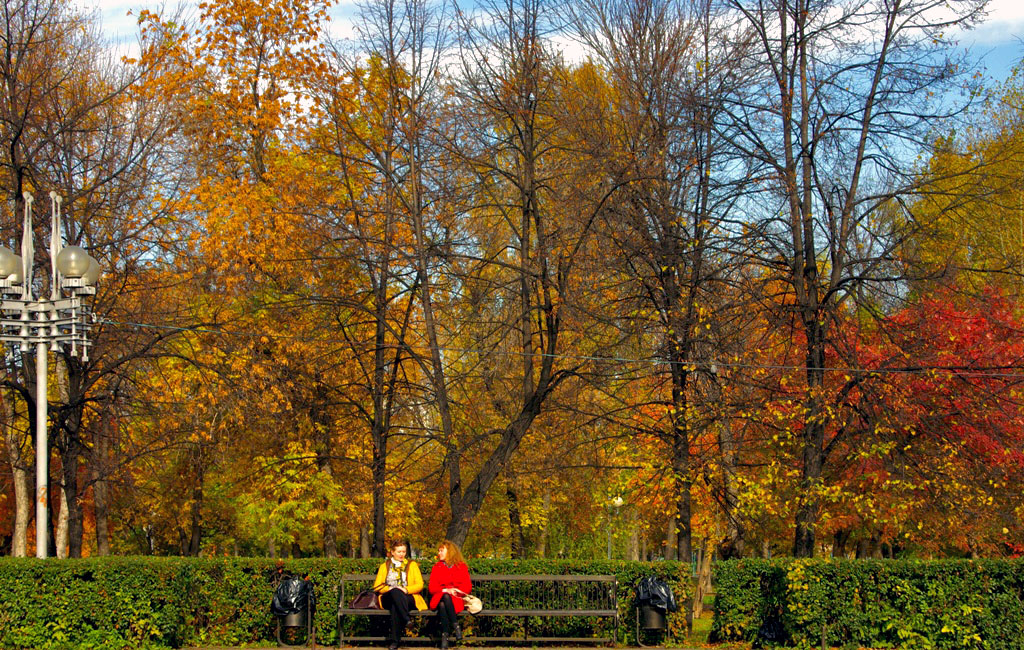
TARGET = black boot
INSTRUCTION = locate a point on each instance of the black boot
(444, 641)
(458, 631)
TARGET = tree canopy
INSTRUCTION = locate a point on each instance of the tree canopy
(743, 278)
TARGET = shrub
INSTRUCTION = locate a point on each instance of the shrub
(159, 602)
(877, 603)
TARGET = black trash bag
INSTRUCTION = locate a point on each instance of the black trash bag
(653, 591)
(771, 633)
(293, 595)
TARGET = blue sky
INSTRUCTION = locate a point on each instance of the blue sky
(998, 43)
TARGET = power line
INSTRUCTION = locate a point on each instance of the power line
(711, 366)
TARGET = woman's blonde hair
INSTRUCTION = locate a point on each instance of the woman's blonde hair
(454, 554)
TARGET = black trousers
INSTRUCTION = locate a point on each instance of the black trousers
(399, 604)
(446, 614)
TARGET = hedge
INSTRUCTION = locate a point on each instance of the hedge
(876, 603)
(150, 602)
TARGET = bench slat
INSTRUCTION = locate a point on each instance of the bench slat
(382, 612)
(545, 612)
(489, 612)
(492, 639)
(493, 577)
(531, 639)
(600, 592)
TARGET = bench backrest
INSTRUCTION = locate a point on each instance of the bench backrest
(554, 592)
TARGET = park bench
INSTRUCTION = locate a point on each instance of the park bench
(512, 606)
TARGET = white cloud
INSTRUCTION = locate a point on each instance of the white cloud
(343, 17)
(118, 18)
(1005, 23)
(1002, 33)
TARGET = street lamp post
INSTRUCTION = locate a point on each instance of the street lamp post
(46, 323)
(616, 503)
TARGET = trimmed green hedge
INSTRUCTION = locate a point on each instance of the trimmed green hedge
(875, 603)
(149, 602)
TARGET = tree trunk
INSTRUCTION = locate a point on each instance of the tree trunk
(101, 488)
(682, 484)
(330, 534)
(195, 536)
(21, 476)
(22, 509)
(634, 534)
(703, 580)
(839, 541)
(466, 505)
(67, 436)
(321, 422)
(61, 541)
(813, 443)
(51, 534)
(72, 501)
(378, 425)
(863, 548)
(364, 542)
(671, 532)
(733, 545)
(542, 541)
(378, 470)
(517, 542)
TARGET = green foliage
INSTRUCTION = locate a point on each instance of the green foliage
(152, 602)
(876, 603)
(138, 602)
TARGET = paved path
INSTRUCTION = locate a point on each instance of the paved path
(417, 646)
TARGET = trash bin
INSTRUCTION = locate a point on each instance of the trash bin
(654, 600)
(293, 604)
(652, 618)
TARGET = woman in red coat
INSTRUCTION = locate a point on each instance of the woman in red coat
(449, 581)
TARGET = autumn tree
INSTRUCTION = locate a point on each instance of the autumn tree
(839, 100)
(525, 248)
(77, 121)
(668, 64)
(378, 106)
(972, 204)
(938, 438)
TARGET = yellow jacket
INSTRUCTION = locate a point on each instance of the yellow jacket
(413, 582)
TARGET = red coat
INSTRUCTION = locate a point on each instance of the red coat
(442, 577)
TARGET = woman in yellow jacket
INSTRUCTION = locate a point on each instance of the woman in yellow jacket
(399, 583)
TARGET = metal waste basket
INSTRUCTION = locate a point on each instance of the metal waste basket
(293, 606)
(298, 619)
(652, 618)
(654, 600)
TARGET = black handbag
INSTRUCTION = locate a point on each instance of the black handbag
(365, 600)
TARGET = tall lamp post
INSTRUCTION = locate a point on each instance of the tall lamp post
(615, 504)
(48, 324)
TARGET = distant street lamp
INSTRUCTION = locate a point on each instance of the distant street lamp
(615, 503)
(48, 324)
